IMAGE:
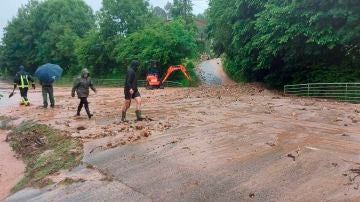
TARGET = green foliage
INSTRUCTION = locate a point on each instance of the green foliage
(45, 32)
(94, 52)
(66, 32)
(117, 19)
(122, 17)
(279, 41)
(168, 43)
(181, 8)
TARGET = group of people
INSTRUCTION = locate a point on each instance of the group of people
(81, 87)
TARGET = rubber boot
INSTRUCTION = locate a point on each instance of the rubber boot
(123, 116)
(27, 102)
(79, 110)
(88, 111)
(138, 115)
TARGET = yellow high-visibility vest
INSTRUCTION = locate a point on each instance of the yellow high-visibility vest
(24, 78)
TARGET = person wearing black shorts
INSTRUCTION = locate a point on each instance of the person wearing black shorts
(131, 91)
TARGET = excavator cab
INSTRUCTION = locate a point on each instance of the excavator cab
(153, 76)
(154, 81)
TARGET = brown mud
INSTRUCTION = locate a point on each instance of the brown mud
(233, 142)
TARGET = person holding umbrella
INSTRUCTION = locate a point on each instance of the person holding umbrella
(23, 79)
(47, 74)
(81, 86)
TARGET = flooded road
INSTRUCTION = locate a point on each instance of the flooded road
(11, 168)
(222, 143)
(211, 73)
(218, 142)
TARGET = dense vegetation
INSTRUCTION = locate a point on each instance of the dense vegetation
(68, 33)
(282, 41)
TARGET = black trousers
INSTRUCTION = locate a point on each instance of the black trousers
(84, 103)
(23, 93)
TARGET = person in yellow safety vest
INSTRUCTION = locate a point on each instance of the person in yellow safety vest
(23, 79)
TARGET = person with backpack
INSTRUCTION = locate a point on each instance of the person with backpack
(22, 80)
(81, 87)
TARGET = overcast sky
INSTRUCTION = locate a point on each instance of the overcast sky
(8, 8)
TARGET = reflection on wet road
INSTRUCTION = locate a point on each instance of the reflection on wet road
(211, 73)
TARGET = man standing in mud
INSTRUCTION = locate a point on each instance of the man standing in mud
(48, 89)
(131, 91)
(23, 79)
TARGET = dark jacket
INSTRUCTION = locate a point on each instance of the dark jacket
(82, 85)
(130, 80)
(26, 78)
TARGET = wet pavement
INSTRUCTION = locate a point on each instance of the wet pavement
(211, 73)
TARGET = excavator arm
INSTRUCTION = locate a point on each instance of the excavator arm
(172, 69)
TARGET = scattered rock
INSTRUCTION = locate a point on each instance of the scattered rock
(81, 128)
(145, 133)
(89, 166)
(291, 156)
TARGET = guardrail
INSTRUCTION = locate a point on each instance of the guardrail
(348, 92)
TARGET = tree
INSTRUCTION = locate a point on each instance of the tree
(169, 43)
(95, 52)
(282, 42)
(159, 12)
(182, 8)
(122, 17)
(45, 32)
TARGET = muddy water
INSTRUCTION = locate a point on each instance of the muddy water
(11, 168)
(224, 143)
(5, 101)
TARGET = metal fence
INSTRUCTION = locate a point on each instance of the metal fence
(115, 83)
(348, 92)
(67, 82)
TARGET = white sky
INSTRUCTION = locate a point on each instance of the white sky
(8, 8)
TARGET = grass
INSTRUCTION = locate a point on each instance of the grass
(69, 181)
(45, 152)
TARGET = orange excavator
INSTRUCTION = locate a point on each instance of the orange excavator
(153, 80)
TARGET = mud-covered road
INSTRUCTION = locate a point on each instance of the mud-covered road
(211, 143)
